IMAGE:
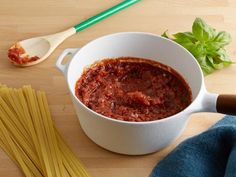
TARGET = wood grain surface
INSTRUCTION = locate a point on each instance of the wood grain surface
(28, 18)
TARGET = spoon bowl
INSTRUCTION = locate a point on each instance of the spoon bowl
(36, 50)
(34, 47)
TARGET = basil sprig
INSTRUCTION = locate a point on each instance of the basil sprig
(206, 45)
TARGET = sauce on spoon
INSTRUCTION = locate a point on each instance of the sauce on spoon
(18, 55)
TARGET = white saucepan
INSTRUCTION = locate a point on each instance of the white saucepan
(135, 138)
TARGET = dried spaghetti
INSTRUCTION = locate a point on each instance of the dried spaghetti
(29, 137)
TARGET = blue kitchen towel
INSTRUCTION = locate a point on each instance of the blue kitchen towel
(209, 154)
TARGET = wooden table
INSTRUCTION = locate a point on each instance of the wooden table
(24, 19)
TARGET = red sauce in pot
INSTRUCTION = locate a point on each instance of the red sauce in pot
(133, 89)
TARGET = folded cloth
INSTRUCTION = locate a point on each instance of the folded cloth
(209, 154)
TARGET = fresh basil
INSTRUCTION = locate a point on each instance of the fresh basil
(223, 38)
(202, 31)
(206, 45)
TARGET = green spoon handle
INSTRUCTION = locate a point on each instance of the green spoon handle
(104, 14)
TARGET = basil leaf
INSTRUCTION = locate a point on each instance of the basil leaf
(221, 60)
(216, 63)
(202, 31)
(188, 45)
(206, 66)
(212, 47)
(185, 37)
(198, 50)
(223, 38)
(221, 54)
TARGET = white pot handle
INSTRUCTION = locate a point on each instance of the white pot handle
(205, 103)
(209, 102)
(59, 65)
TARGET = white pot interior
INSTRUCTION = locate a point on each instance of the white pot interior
(141, 45)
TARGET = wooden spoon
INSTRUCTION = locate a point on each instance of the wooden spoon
(35, 50)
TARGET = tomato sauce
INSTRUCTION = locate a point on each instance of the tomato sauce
(18, 55)
(133, 89)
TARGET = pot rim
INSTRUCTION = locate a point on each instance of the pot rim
(186, 110)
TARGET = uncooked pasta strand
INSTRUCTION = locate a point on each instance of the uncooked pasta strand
(33, 107)
(18, 139)
(30, 126)
(53, 144)
(15, 133)
(16, 154)
(12, 115)
(27, 160)
(70, 156)
(79, 169)
(29, 137)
